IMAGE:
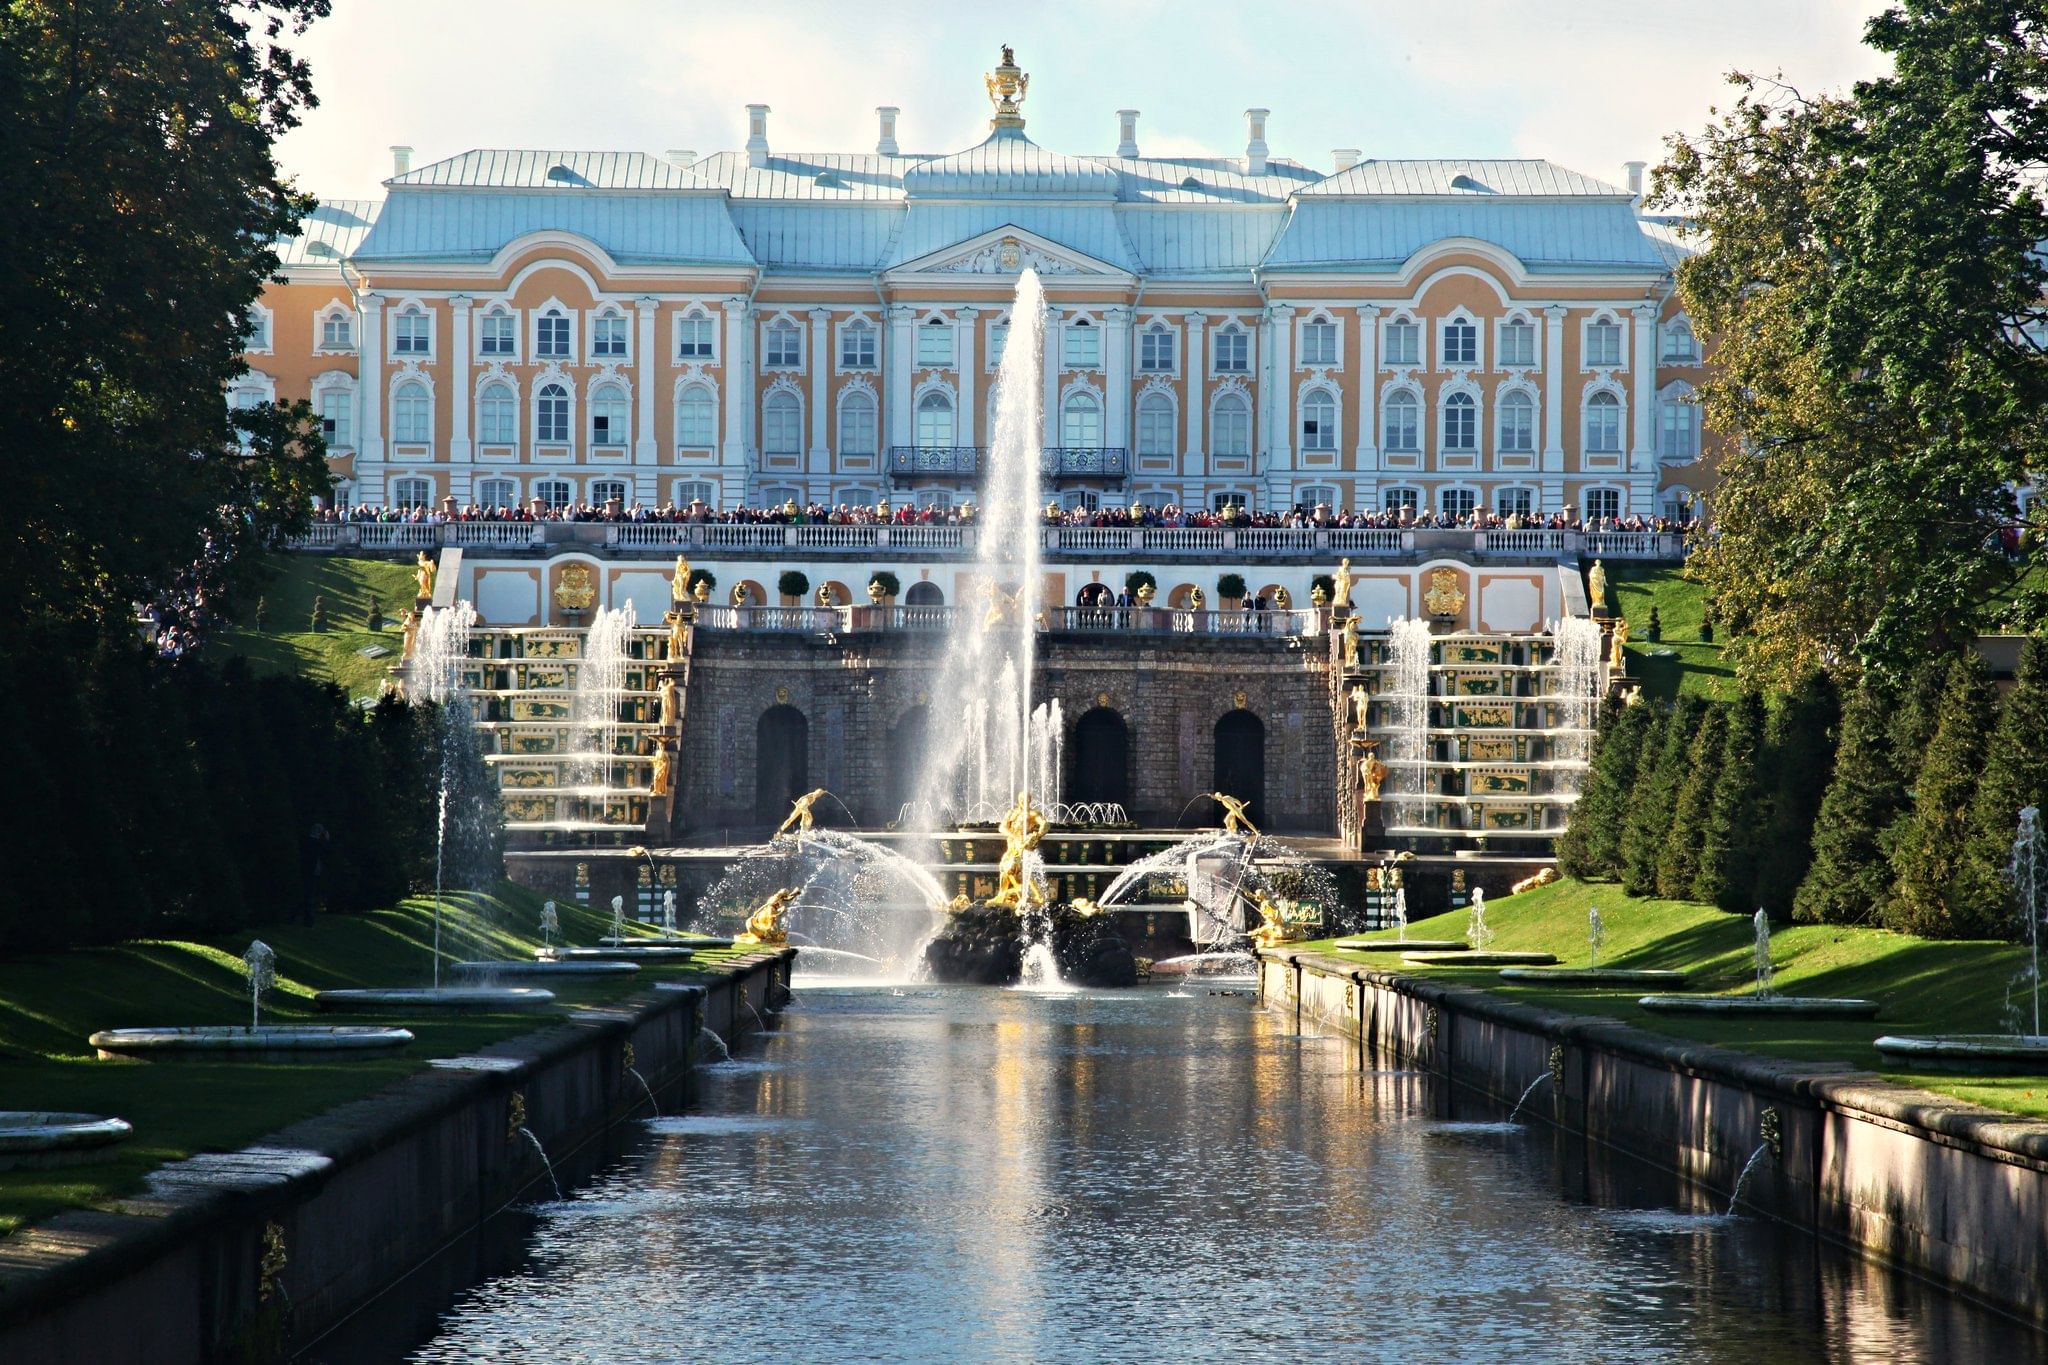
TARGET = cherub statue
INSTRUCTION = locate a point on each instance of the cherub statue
(765, 926)
(1235, 821)
(800, 817)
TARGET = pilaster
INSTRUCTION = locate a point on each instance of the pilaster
(644, 369)
(818, 355)
(1195, 365)
(1553, 390)
(970, 373)
(739, 397)
(1368, 368)
(458, 386)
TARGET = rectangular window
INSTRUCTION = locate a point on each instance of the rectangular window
(935, 344)
(497, 336)
(608, 337)
(1517, 345)
(1398, 498)
(337, 332)
(1319, 343)
(256, 332)
(693, 339)
(553, 492)
(1223, 500)
(1155, 351)
(1457, 501)
(785, 348)
(1403, 423)
(1155, 428)
(857, 348)
(336, 405)
(1233, 352)
(1678, 436)
(1404, 343)
(413, 334)
(1603, 502)
(1512, 502)
(696, 420)
(551, 337)
(1082, 347)
(1232, 436)
(1517, 425)
(1603, 345)
(1461, 343)
(497, 416)
(998, 338)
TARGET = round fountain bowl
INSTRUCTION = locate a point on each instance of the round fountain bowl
(1593, 976)
(1402, 945)
(460, 999)
(1809, 1006)
(500, 970)
(1984, 1054)
(231, 1042)
(1472, 959)
(621, 953)
(31, 1137)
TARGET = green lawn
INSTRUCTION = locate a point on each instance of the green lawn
(1693, 666)
(50, 1004)
(346, 587)
(1922, 986)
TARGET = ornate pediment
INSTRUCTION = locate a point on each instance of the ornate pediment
(1009, 256)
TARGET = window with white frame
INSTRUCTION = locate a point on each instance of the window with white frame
(497, 414)
(553, 493)
(1404, 342)
(1460, 425)
(1230, 498)
(1514, 502)
(1080, 499)
(935, 422)
(1461, 342)
(1318, 421)
(857, 423)
(1457, 502)
(1316, 495)
(1517, 344)
(1678, 427)
(497, 335)
(551, 335)
(497, 493)
(782, 425)
(603, 491)
(1401, 425)
(1603, 502)
(608, 336)
(413, 492)
(1319, 342)
(938, 499)
(696, 418)
(1081, 348)
(412, 414)
(412, 332)
(247, 398)
(998, 339)
(1673, 501)
(1155, 425)
(1517, 424)
(1155, 349)
(1081, 422)
(1231, 433)
(337, 416)
(551, 415)
(934, 344)
(856, 496)
(856, 346)
(337, 331)
(694, 490)
(1394, 499)
(1233, 350)
(608, 416)
(1603, 344)
(785, 347)
(256, 329)
(1603, 424)
(695, 337)
(344, 496)
(1680, 346)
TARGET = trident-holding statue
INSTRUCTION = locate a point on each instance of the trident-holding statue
(1235, 821)
(800, 817)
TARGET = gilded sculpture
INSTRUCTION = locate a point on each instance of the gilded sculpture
(1002, 606)
(1596, 588)
(678, 635)
(1360, 701)
(679, 582)
(671, 701)
(765, 927)
(1340, 593)
(1351, 642)
(1618, 642)
(574, 590)
(1235, 821)
(1022, 827)
(741, 595)
(1006, 86)
(1372, 773)
(424, 573)
(659, 782)
(410, 624)
(1445, 597)
(800, 818)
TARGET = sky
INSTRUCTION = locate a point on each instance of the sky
(1587, 83)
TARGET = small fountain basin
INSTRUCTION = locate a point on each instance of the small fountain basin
(1397, 945)
(1469, 958)
(476, 999)
(32, 1138)
(1812, 1006)
(621, 953)
(1593, 976)
(1984, 1054)
(492, 970)
(233, 1042)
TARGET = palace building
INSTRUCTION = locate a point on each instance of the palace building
(760, 325)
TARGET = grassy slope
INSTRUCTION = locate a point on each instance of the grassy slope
(1923, 986)
(1696, 667)
(346, 586)
(49, 1005)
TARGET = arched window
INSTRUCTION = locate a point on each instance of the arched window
(554, 492)
(337, 330)
(1510, 502)
(1461, 424)
(497, 492)
(782, 425)
(1679, 343)
(608, 335)
(1461, 342)
(1603, 502)
(935, 422)
(1517, 424)
(1081, 422)
(1155, 349)
(551, 415)
(551, 336)
(1678, 426)
(856, 346)
(1082, 349)
(1319, 341)
(1603, 343)
(1233, 350)
(497, 415)
(497, 335)
(696, 418)
(785, 347)
(337, 407)
(1155, 425)
(412, 332)
(1316, 495)
(1517, 343)
(1457, 502)
(857, 423)
(1404, 341)
(1603, 424)
(1394, 499)
(608, 416)
(694, 490)
(935, 344)
(1318, 421)
(1403, 423)
(412, 414)
(1232, 433)
(413, 492)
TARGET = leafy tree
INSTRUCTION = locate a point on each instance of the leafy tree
(2015, 776)
(1800, 754)
(1928, 855)
(1850, 876)
(1653, 801)
(1869, 268)
(1591, 843)
(1678, 861)
(1732, 844)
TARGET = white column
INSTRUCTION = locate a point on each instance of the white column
(1055, 352)
(819, 358)
(901, 362)
(643, 433)
(1195, 365)
(1116, 407)
(738, 388)
(370, 367)
(1368, 368)
(1553, 388)
(1643, 456)
(458, 388)
(970, 373)
(1280, 406)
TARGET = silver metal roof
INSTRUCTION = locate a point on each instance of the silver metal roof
(1010, 165)
(1464, 179)
(433, 224)
(1178, 240)
(488, 168)
(329, 234)
(1206, 180)
(808, 175)
(851, 236)
(1340, 235)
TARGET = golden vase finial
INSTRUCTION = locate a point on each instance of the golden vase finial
(1006, 86)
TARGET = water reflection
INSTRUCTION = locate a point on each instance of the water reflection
(994, 1176)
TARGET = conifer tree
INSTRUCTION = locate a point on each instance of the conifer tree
(1591, 843)
(1927, 855)
(1849, 877)
(1732, 845)
(1678, 861)
(1654, 797)
(1919, 710)
(1799, 760)
(2015, 776)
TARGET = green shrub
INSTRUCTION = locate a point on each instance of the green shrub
(1800, 760)
(1655, 629)
(793, 583)
(1733, 841)
(1850, 876)
(1327, 582)
(2015, 776)
(1591, 843)
(373, 615)
(1653, 801)
(1928, 854)
(704, 576)
(1678, 862)
(319, 622)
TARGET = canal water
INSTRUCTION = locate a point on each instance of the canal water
(962, 1174)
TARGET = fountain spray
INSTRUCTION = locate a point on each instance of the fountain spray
(262, 963)
(2025, 874)
(1596, 934)
(1763, 953)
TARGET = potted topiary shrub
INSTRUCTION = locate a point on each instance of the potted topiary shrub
(702, 581)
(1230, 591)
(1320, 589)
(1655, 629)
(319, 613)
(373, 616)
(883, 587)
(793, 584)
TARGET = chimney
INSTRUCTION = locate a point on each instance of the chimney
(1126, 132)
(682, 158)
(1345, 158)
(1255, 141)
(885, 140)
(401, 160)
(1635, 176)
(757, 135)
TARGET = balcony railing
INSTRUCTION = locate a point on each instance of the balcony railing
(935, 462)
(397, 535)
(493, 535)
(1086, 462)
(1083, 620)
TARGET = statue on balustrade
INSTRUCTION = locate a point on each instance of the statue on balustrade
(658, 785)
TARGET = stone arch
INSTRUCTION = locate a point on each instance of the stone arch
(1182, 596)
(1240, 761)
(782, 741)
(1099, 762)
(908, 739)
(924, 593)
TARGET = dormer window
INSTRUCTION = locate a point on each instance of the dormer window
(413, 332)
(785, 347)
(608, 337)
(551, 337)
(935, 344)
(1319, 342)
(1404, 342)
(1155, 350)
(1082, 348)
(1461, 342)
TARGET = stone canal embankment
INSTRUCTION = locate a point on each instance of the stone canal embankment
(1944, 1188)
(248, 1255)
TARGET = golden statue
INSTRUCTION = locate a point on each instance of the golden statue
(1340, 594)
(702, 591)
(1022, 827)
(678, 635)
(1445, 597)
(826, 597)
(1235, 821)
(800, 817)
(1002, 606)
(1195, 599)
(1281, 601)
(1618, 641)
(574, 590)
(1596, 589)
(1360, 701)
(671, 701)
(1280, 921)
(679, 582)
(658, 785)
(1372, 773)
(410, 624)
(1351, 642)
(1006, 86)
(741, 596)
(765, 926)
(425, 574)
